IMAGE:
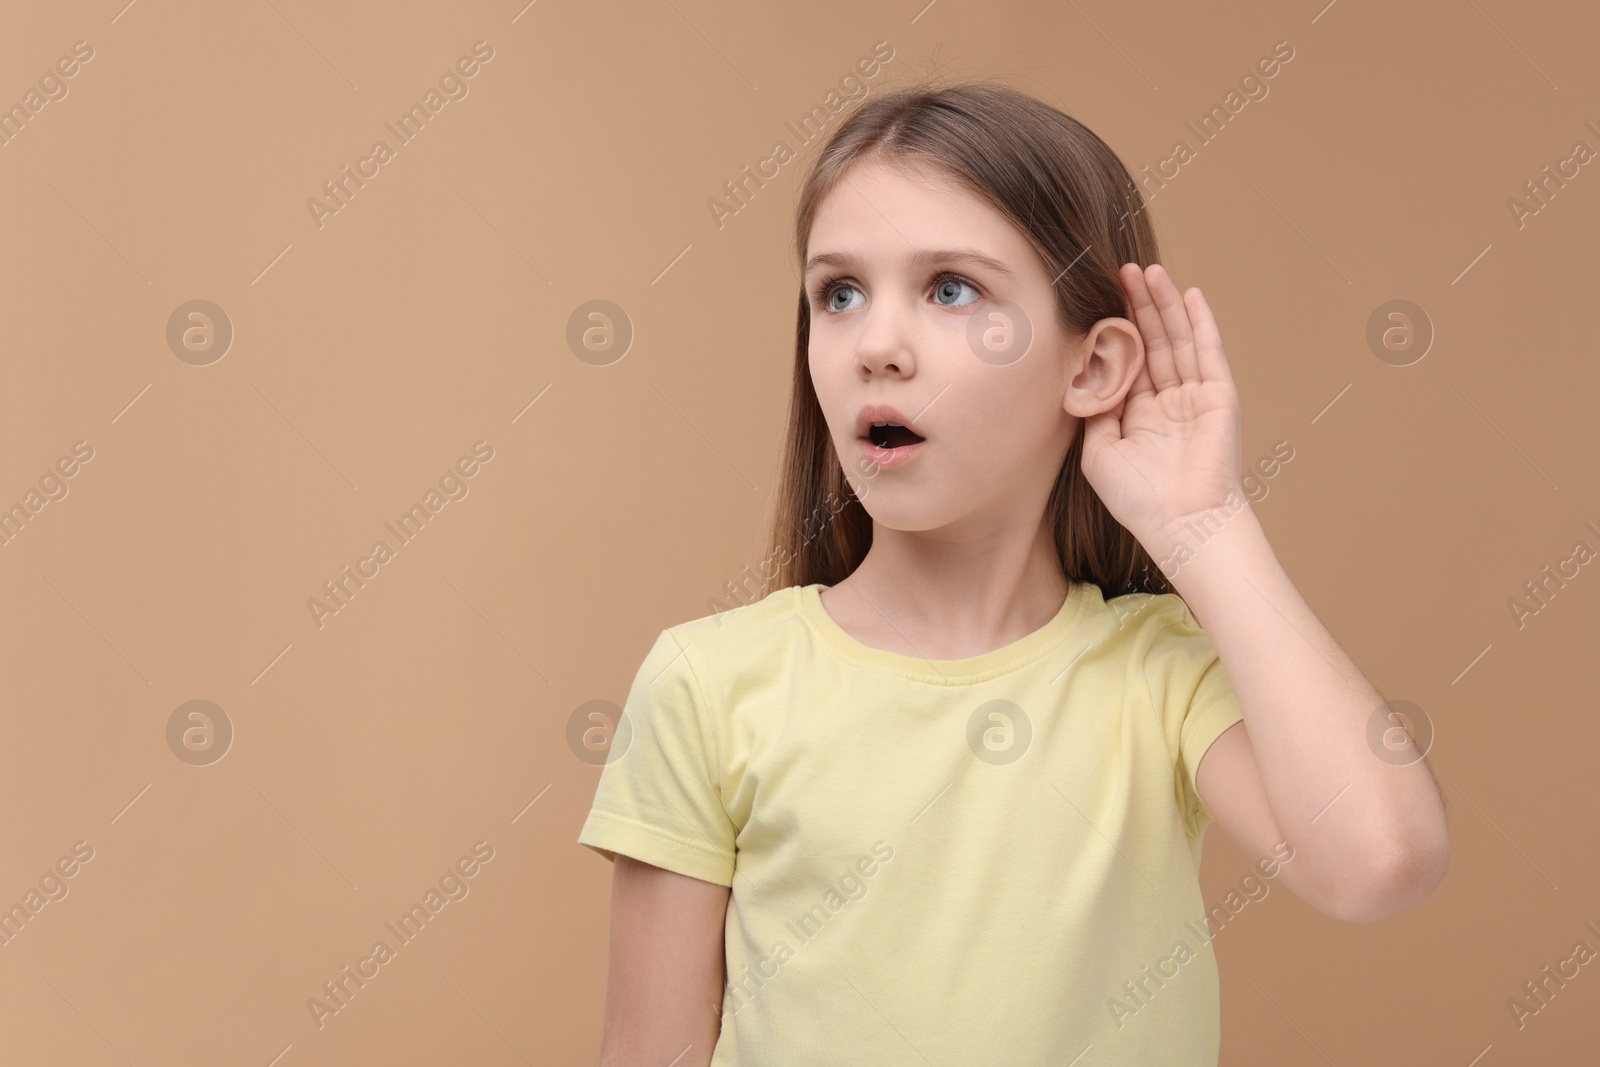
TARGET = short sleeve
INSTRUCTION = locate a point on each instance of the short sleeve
(1191, 695)
(659, 798)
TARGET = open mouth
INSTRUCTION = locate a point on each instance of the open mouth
(892, 435)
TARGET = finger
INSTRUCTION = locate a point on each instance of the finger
(1157, 349)
(1141, 382)
(1175, 317)
(1207, 339)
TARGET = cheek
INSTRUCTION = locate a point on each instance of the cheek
(828, 382)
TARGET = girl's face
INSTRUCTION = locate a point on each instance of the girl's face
(938, 307)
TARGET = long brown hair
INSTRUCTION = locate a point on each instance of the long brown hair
(1070, 195)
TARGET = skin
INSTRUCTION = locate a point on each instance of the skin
(962, 563)
(665, 974)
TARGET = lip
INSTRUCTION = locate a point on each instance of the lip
(886, 458)
(883, 413)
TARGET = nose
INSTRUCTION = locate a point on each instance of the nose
(884, 348)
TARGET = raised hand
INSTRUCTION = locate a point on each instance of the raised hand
(1171, 449)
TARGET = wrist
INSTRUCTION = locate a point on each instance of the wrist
(1208, 542)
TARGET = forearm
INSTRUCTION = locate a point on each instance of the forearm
(1364, 825)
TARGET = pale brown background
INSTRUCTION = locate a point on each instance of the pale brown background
(428, 314)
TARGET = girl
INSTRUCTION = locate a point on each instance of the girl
(938, 795)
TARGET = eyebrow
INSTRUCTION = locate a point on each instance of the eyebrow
(925, 258)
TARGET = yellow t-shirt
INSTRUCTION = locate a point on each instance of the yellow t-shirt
(989, 860)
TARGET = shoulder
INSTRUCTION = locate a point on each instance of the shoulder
(1145, 622)
(1162, 642)
(742, 633)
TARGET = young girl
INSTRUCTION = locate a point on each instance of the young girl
(938, 797)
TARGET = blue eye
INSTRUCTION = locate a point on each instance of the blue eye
(945, 285)
(947, 282)
(832, 293)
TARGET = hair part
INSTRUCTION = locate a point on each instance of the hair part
(1076, 203)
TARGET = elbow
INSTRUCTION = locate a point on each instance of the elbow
(1407, 879)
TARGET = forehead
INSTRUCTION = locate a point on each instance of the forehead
(882, 213)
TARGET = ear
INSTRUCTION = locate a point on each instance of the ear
(1104, 365)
